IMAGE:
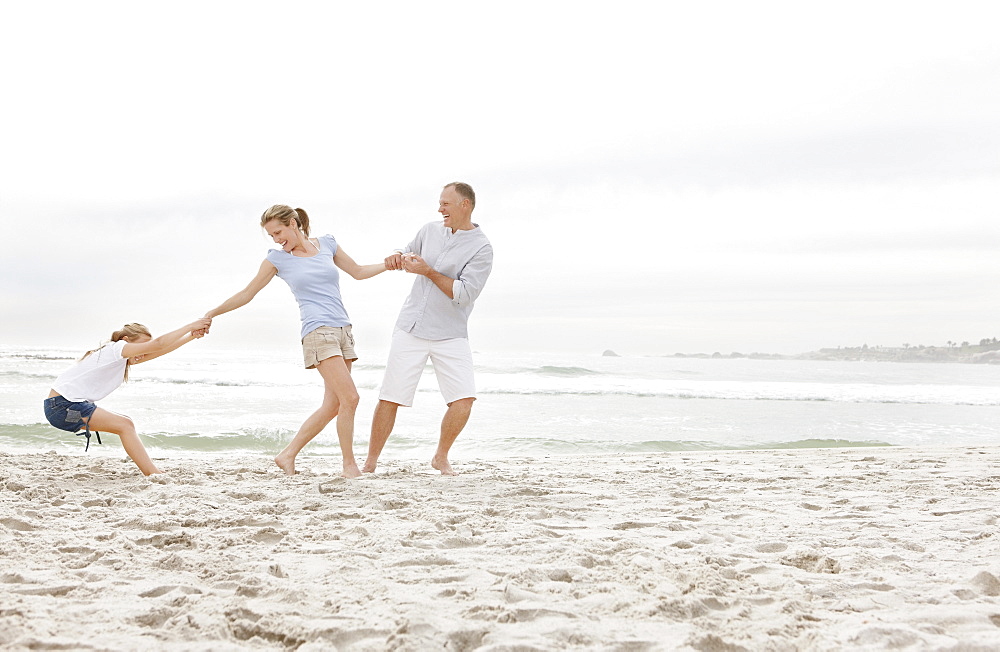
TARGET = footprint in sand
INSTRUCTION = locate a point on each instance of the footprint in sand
(154, 618)
(391, 503)
(987, 584)
(466, 639)
(529, 614)
(886, 638)
(54, 591)
(631, 525)
(812, 562)
(713, 643)
(14, 578)
(875, 586)
(167, 541)
(248, 495)
(83, 556)
(432, 560)
(459, 542)
(530, 491)
(163, 590)
(17, 524)
(268, 535)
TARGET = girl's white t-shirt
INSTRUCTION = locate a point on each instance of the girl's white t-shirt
(94, 377)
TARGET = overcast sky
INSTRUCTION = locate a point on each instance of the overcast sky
(655, 177)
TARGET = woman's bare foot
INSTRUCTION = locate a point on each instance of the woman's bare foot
(286, 463)
(442, 465)
(351, 470)
(369, 467)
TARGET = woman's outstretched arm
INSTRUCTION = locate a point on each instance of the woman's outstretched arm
(358, 272)
(244, 296)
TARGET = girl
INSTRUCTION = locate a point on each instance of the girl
(309, 266)
(70, 405)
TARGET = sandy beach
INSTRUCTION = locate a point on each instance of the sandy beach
(874, 548)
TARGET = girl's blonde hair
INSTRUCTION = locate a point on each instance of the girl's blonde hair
(128, 332)
(285, 215)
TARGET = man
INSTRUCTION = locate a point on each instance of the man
(452, 259)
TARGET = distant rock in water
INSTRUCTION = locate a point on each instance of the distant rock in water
(610, 354)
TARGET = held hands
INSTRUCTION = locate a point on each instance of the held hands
(199, 327)
(411, 263)
(414, 264)
(394, 262)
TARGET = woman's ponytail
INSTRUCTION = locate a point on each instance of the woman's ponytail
(285, 215)
(303, 220)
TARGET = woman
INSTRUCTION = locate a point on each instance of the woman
(70, 405)
(308, 266)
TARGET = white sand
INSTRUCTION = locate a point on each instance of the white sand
(777, 550)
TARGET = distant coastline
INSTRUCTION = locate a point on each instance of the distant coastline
(986, 352)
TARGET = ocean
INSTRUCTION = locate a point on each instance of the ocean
(530, 406)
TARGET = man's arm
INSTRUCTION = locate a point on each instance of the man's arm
(395, 261)
(416, 265)
(473, 278)
(466, 288)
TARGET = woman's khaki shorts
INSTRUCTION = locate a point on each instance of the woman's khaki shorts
(327, 342)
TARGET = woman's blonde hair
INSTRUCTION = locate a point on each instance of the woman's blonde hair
(128, 332)
(285, 215)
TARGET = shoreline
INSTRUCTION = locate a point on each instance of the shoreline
(696, 550)
(964, 355)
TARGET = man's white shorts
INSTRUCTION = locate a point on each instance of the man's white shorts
(452, 360)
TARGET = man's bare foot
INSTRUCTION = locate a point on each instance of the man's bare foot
(351, 471)
(369, 467)
(441, 464)
(286, 464)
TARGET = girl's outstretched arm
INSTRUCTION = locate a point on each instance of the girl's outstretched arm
(244, 296)
(189, 337)
(358, 272)
(163, 343)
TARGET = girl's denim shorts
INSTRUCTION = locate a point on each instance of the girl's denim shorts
(69, 415)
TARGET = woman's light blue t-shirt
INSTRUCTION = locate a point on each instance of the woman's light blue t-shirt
(315, 282)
